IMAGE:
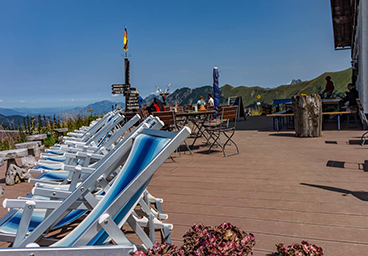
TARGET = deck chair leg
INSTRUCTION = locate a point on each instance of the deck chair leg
(151, 227)
(167, 235)
(140, 233)
(24, 222)
(113, 230)
(75, 177)
(103, 183)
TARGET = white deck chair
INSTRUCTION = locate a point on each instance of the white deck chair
(77, 157)
(86, 133)
(61, 173)
(9, 223)
(94, 139)
(151, 148)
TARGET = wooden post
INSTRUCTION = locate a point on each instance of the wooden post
(307, 115)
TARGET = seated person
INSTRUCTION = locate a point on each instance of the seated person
(349, 100)
(210, 100)
(201, 103)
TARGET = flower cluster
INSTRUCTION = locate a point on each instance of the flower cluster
(304, 249)
(161, 249)
(224, 239)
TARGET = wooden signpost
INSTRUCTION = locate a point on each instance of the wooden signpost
(130, 93)
(237, 101)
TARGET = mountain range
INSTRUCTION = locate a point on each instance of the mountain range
(9, 118)
(187, 95)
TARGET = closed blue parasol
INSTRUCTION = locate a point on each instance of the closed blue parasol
(216, 88)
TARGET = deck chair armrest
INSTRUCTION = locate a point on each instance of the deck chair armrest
(43, 162)
(88, 154)
(74, 143)
(49, 192)
(22, 203)
(75, 134)
(32, 180)
(72, 168)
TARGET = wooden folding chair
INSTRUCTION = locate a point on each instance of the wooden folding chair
(223, 128)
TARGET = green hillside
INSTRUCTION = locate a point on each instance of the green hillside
(317, 85)
(187, 95)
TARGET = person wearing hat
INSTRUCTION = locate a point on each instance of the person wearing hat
(329, 88)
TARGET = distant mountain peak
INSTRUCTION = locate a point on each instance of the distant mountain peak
(295, 81)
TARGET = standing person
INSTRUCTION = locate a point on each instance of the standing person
(211, 103)
(329, 88)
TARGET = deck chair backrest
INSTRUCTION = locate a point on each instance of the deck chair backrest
(149, 151)
(104, 131)
(108, 164)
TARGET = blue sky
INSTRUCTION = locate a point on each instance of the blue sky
(68, 53)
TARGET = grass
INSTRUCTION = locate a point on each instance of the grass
(42, 125)
(317, 85)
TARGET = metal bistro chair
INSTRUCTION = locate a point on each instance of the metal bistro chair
(223, 127)
(189, 108)
(169, 119)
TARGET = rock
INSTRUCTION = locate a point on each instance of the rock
(37, 152)
(14, 153)
(27, 145)
(28, 162)
(61, 130)
(14, 174)
(30, 146)
(39, 137)
(60, 139)
(1, 192)
(1, 161)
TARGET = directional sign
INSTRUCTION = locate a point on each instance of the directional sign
(118, 85)
(259, 96)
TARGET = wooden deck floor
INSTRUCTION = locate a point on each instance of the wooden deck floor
(280, 188)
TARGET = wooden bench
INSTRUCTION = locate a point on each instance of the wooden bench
(40, 138)
(37, 137)
(32, 147)
(279, 115)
